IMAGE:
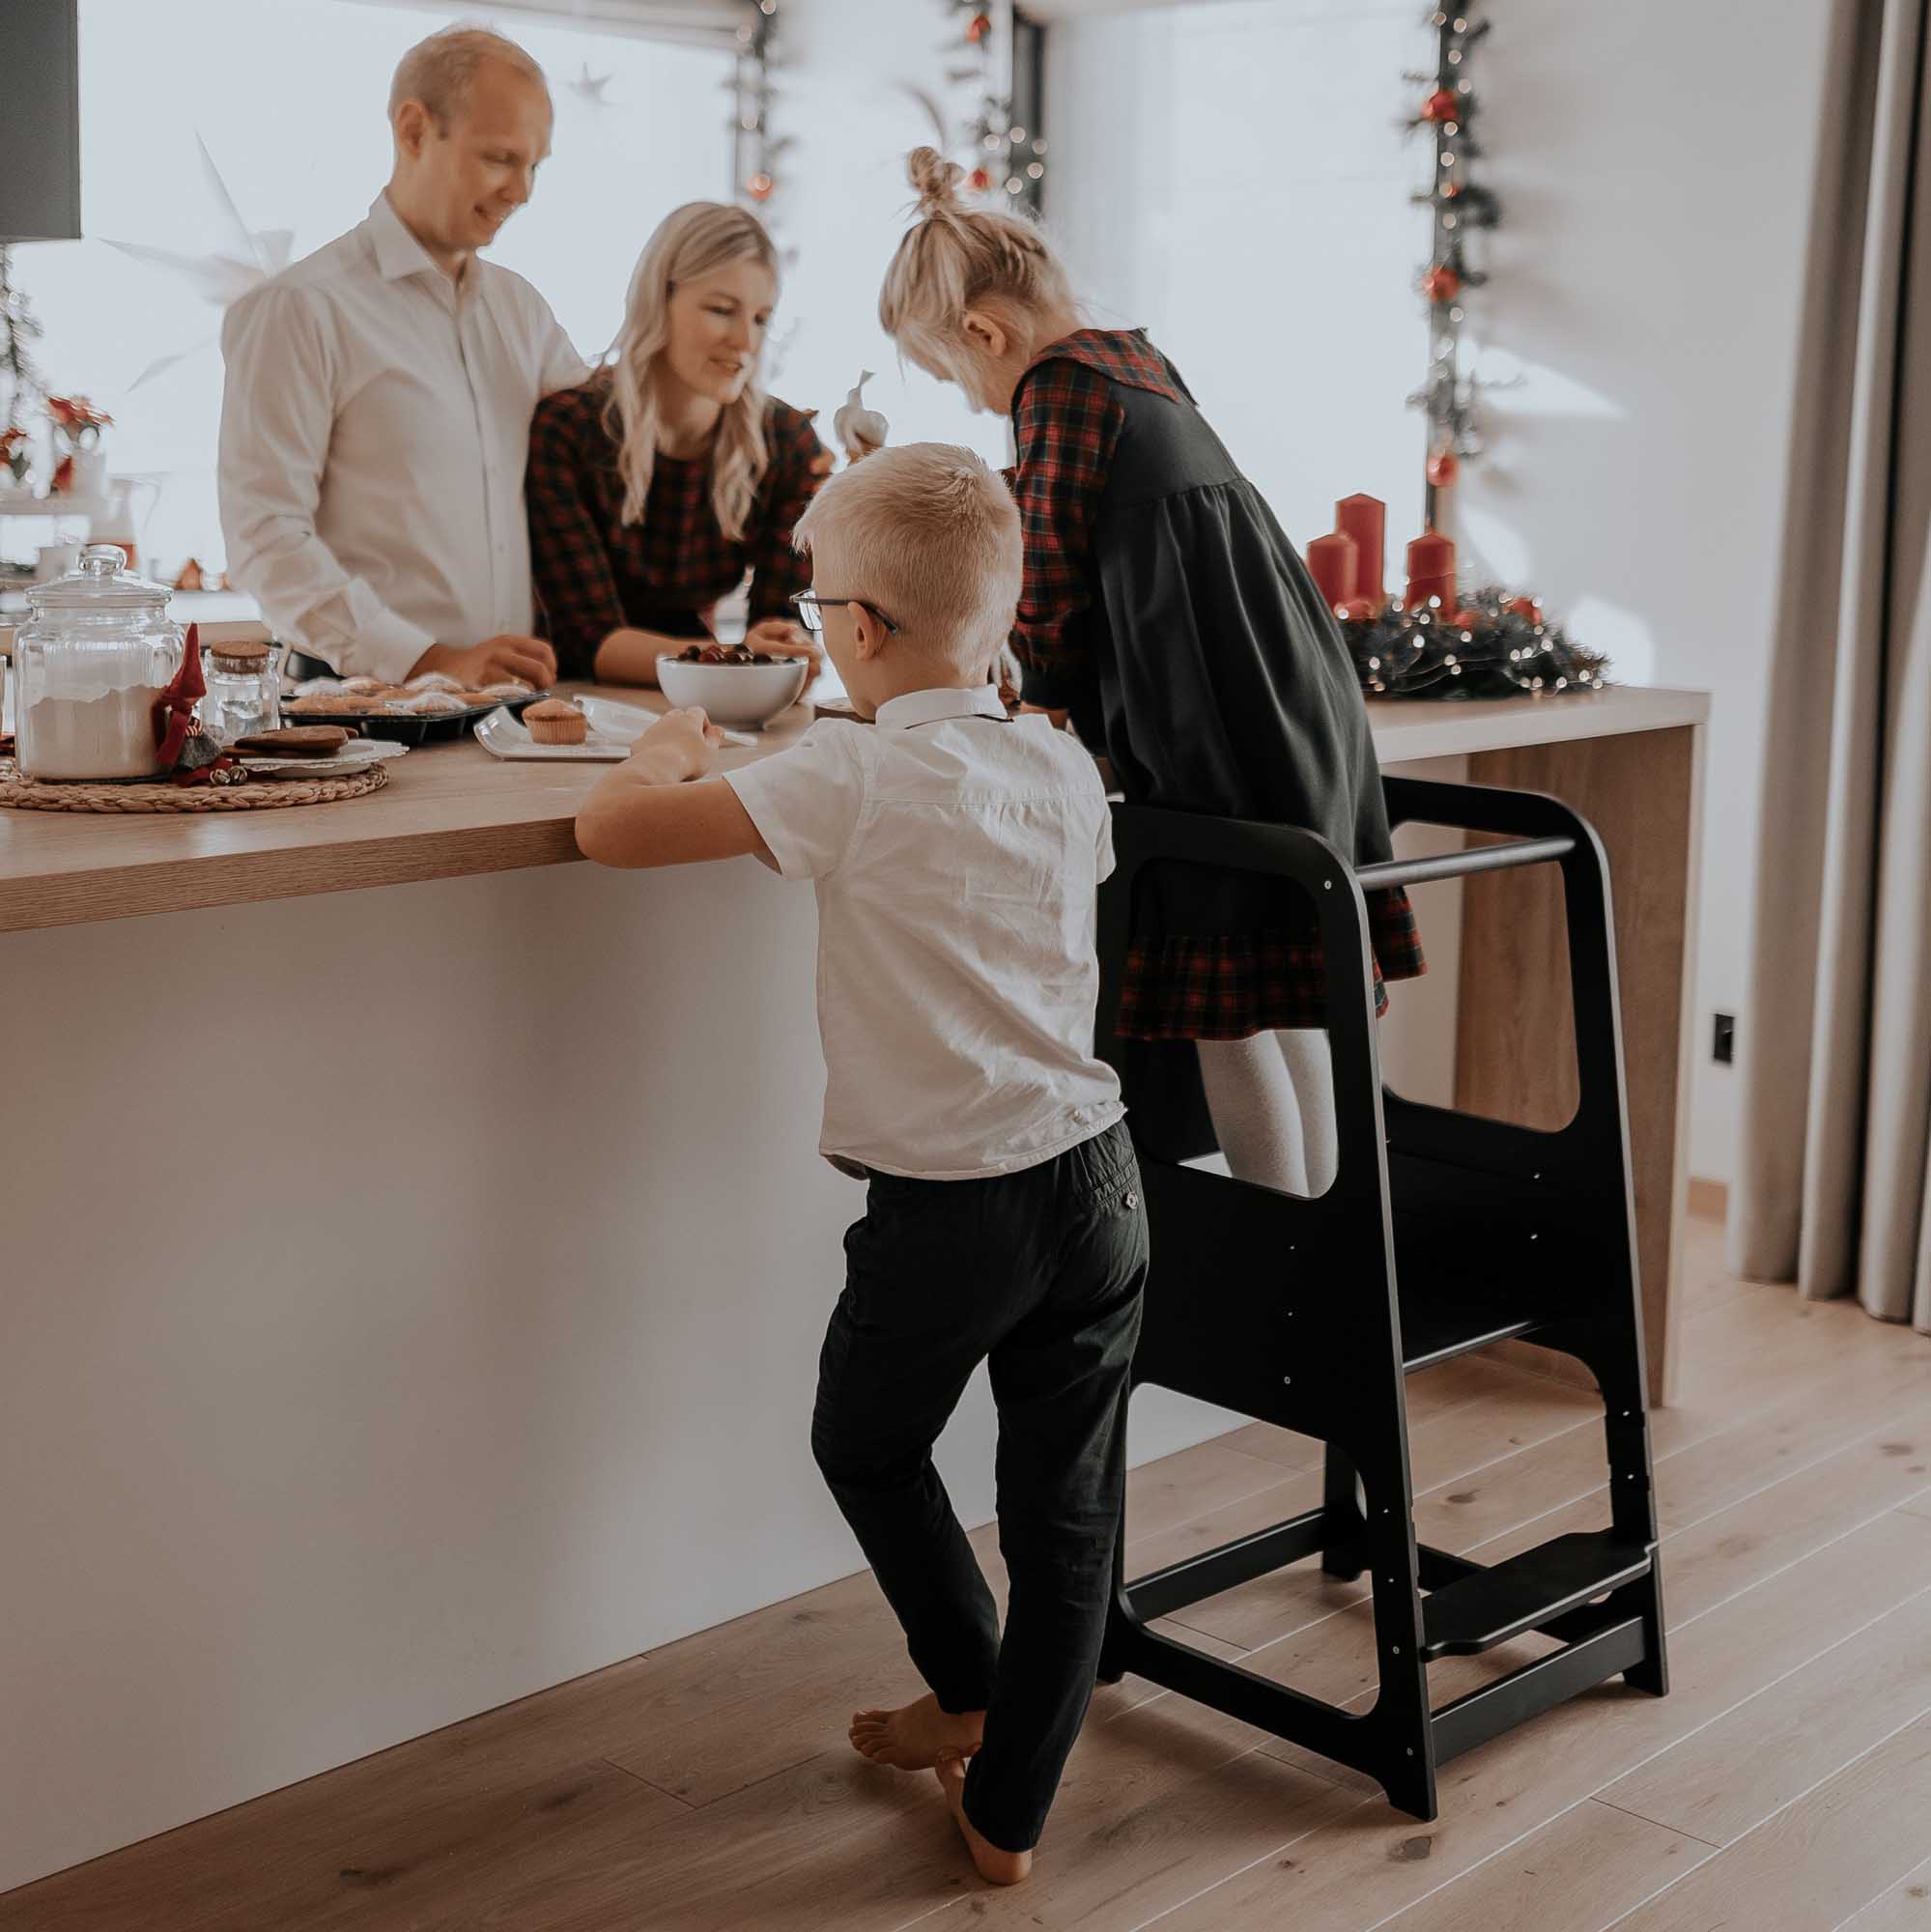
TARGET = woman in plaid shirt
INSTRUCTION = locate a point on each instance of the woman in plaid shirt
(653, 487)
(1165, 610)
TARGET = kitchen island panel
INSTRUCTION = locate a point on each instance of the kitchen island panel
(411, 1301)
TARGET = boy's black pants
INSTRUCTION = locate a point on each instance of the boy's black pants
(1040, 1273)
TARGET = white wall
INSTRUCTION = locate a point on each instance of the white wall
(1232, 177)
(1654, 160)
(1654, 165)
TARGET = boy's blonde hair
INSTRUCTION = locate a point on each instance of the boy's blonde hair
(440, 71)
(690, 241)
(954, 258)
(931, 535)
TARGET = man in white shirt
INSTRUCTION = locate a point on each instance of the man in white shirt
(957, 855)
(375, 421)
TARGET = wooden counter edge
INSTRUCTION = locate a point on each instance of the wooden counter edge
(281, 872)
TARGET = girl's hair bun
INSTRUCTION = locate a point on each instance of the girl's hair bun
(936, 181)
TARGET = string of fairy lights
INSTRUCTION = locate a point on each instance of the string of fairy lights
(756, 150)
(1005, 158)
(1458, 205)
(1486, 642)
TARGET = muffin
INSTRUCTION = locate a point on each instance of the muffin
(555, 721)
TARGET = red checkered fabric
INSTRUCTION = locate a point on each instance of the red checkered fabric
(1231, 987)
(595, 574)
(1065, 421)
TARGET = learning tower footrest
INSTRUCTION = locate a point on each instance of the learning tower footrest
(1488, 1606)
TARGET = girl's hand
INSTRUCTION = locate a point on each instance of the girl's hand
(778, 635)
(682, 745)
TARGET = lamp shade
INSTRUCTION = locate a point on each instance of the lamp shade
(40, 178)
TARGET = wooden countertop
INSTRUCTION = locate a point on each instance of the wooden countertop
(453, 809)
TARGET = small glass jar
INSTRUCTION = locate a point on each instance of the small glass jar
(244, 692)
(89, 662)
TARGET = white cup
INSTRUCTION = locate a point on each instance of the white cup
(56, 560)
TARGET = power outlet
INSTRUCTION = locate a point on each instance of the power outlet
(1723, 1039)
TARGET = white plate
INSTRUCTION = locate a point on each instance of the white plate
(614, 729)
(353, 757)
(630, 721)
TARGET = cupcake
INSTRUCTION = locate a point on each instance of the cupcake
(555, 721)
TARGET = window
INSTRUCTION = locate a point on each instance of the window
(289, 97)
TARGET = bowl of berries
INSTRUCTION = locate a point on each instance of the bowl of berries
(735, 684)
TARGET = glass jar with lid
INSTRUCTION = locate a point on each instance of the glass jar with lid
(89, 662)
(243, 691)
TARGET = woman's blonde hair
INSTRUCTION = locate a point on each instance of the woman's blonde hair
(690, 241)
(955, 257)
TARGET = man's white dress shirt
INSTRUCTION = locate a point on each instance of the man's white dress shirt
(958, 858)
(374, 430)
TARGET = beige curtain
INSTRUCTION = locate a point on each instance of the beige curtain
(1833, 1188)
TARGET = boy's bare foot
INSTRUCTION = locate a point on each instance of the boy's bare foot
(995, 1866)
(913, 1736)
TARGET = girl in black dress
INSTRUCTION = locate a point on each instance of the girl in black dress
(1165, 611)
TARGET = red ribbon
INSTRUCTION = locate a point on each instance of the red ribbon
(174, 708)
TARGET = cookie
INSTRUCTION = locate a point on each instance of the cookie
(295, 741)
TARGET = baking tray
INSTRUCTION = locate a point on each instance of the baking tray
(405, 729)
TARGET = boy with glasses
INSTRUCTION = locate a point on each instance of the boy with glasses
(957, 855)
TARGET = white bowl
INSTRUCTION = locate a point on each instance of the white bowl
(747, 696)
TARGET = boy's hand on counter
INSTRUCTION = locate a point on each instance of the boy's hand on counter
(508, 655)
(682, 745)
(645, 813)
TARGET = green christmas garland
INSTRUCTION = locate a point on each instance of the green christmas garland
(1495, 645)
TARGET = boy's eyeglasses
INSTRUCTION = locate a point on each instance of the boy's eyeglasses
(809, 606)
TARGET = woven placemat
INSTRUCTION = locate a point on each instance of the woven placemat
(255, 795)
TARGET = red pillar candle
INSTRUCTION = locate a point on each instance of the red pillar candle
(1365, 519)
(1331, 562)
(1431, 570)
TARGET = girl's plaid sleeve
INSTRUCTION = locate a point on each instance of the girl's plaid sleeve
(777, 570)
(1065, 425)
(570, 566)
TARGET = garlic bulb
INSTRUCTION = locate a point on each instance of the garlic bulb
(859, 430)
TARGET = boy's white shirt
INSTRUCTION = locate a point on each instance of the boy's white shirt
(958, 858)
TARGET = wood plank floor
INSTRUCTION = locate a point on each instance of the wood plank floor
(1784, 1783)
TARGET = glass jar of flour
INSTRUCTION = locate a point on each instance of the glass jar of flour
(89, 664)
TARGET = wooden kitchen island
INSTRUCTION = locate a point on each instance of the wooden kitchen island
(412, 1298)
